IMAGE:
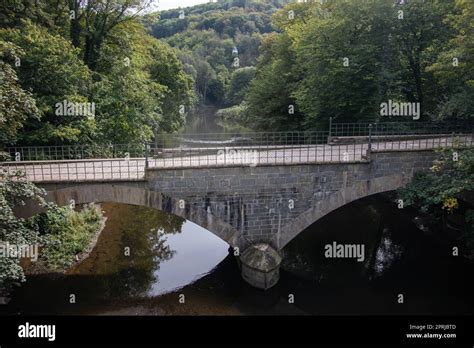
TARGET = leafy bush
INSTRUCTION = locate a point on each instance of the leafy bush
(235, 113)
(15, 190)
(451, 174)
(438, 191)
(67, 233)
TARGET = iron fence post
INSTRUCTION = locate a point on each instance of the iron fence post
(369, 148)
(146, 156)
(330, 130)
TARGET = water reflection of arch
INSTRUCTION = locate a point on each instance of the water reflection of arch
(136, 193)
(337, 200)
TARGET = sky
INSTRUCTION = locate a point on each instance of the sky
(169, 4)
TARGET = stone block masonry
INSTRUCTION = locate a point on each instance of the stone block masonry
(273, 204)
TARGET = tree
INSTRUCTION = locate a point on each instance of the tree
(270, 103)
(100, 17)
(239, 83)
(344, 55)
(16, 104)
(142, 82)
(128, 105)
(420, 36)
(51, 70)
(179, 97)
(50, 14)
(207, 36)
(454, 68)
(344, 58)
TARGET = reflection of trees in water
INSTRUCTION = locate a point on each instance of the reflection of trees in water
(143, 232)
(146, 236)
(394, 229)
(387, 253)
(160, 251)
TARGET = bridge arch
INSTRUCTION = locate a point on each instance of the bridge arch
(337, 200)
(138, 194)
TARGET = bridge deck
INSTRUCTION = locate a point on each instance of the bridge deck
(134, 168)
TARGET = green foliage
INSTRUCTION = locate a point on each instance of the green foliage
(207, 35)
(446, 180)
(454, 67)
(438, 191)
(234, 113)
(342, 59)
(60, 233)
(269, 95)
(142, 82)
(66, 234)
(226, 18)
(51, 70)
(239, 83)
(51, 14)
(82, 60)
(15, 191)
(355, 33)
(16, 104)
(314, 61)
(179, 97)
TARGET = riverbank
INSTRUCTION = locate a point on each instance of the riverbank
(83, 228)
(39, 268)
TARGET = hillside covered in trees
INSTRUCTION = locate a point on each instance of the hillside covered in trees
(218, 43)
(272, 65)
(301, 63)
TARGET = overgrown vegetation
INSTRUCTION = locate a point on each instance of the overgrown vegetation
(15, 190)
(67, 233)
(343, 58)
(439, 191)
(89, 52)
(60, 233)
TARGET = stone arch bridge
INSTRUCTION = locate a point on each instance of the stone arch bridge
(270, 199)
(244, 204)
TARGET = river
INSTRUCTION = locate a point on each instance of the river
(170, 256)
(204, 120)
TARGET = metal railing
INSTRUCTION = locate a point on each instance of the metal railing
(412, 128)
(196, 150)
(74, 152)
(348, 142)
(79, 170)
